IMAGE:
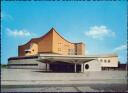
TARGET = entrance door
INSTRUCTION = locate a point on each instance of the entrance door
(78, 68)
(62, 67)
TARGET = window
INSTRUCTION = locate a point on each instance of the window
(31, 57)
(59, 43)
(22, 64)
(71, 52)
(59, 49)
(101, 60)
(27, 51)
(86, 66)
(105, 61)
(75, 53)
(68, 53)
(109, 61)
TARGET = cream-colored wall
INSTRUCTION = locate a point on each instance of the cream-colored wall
(113, 61)
(27, 61)
(33, 49)
(94, 65)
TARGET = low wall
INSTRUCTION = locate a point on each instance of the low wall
(93, 65)
(26, 63)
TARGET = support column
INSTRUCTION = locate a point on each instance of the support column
(46, 66)
(83, 67)
(75, 68)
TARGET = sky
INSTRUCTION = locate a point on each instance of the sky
(101, 25)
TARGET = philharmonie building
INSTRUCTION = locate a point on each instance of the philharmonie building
(51, 52)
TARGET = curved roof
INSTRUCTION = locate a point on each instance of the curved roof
(36, 39)
(52, 29)
(64, 38)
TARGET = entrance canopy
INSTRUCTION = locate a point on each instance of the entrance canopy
(73, 59)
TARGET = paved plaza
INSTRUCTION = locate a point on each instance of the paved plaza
(22, 80)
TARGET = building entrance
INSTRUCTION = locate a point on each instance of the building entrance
(64, 67)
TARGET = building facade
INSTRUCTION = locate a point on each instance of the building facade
(51, 52)
(51, 43)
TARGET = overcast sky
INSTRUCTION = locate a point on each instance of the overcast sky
(100, 25)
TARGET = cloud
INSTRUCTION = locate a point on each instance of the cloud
(120, 48)
(99, 32)
(19, 33)
(5, 16)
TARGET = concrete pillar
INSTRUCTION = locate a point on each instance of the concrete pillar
(46, 67)
(75, 68)
(83, 67)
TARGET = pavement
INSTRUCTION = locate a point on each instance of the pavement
(27, 80)
(67, 88)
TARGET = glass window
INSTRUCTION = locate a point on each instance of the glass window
(86, 66)
(105, 61)
(71, 51)
(27, 51)
(109, 61)
(59, 49)
(59, 43)
(101, 60)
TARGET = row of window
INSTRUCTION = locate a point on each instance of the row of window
(70, 51)
(64, 44)
(22, 64)
(29, 57)
(59, 49)
(101, 60)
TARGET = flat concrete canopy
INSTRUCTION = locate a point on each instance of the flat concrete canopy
(73, 59)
